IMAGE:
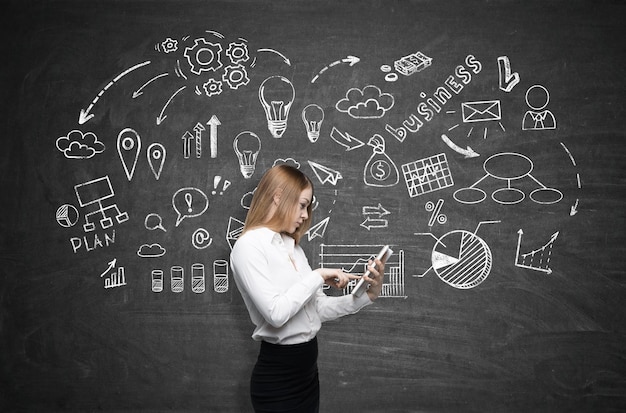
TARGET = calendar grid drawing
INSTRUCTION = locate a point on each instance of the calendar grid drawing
(427, 175)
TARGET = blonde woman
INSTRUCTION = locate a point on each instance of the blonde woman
(284, 295)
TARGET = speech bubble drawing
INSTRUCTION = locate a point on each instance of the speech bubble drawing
(189, 203)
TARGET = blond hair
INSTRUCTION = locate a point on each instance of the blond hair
(287, 182)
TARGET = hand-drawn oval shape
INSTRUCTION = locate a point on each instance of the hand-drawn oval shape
(508, 196)
(508, 165)
(469, 195)
(546, 195)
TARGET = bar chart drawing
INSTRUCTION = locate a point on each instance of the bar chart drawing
(354, 258)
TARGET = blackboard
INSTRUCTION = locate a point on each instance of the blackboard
(483, 140)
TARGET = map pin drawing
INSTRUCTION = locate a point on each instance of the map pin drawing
(156, 158)
(128, 148)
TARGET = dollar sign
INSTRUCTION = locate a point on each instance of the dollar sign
(380, 170)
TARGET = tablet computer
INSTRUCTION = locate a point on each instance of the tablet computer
(362, 285)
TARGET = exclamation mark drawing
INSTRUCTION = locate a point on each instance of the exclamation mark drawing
(216, 182)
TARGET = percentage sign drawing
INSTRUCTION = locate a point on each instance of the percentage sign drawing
(435, 209)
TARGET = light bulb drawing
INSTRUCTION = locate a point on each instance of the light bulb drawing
(313, 116)
(247, 146)
(276, 94)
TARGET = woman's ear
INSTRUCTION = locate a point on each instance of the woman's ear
(276, 198)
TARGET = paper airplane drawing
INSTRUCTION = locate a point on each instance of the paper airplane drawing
(318, 230)
(325, 174)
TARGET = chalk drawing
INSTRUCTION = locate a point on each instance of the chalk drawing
(354, 258)
(380, 171)
(318, 230)
(188, 203)
(537, 260)
(325, 174)
(433, 104)
(201, 239)
(115, 279)
(213, 123)
(374, 217)
(220, 276)
(507, 78)
(85, 114)
(79, 145)
(467, 152)
(413, 63)
(154, 221)
(151, 250)
(367, 103)
(157, 280)
(177, 279)
(156, 159)
(427, 175)
(313, 116)
(95, 192)
(128, 148)
(217, 179)
(345, 139)
(351, 60)
(460, 258)
(67, 215)
(198, 280)
(538, 118)
(436, 215)
(235, 228)
(247, 146)
(509, 167)
(276, 95)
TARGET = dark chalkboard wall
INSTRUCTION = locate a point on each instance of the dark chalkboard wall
(483, 140)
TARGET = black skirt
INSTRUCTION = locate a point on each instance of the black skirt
(285, 378)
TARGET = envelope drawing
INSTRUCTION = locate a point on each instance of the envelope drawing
(481, 111)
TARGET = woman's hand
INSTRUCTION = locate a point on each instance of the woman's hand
(335, 277)
(375, 278)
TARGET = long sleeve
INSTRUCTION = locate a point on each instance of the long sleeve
(276, 301)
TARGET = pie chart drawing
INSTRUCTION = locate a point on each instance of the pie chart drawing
(461, 259)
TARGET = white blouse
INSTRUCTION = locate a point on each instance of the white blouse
(282, 293)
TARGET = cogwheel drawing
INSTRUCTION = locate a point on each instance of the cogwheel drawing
(235, 76)
(204, 56)
(237, 52)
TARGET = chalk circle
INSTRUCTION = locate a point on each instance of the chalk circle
(508, 196)
(391, 77)
(67, 215)
(537, 97)
(546, 196)
(156, 153)
(508, 165)
(385, 68)
(469, 195)
(128, 143)
(207, 54)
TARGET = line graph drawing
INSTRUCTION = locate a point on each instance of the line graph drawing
(538, 259)
(354, 258)
(427, 175)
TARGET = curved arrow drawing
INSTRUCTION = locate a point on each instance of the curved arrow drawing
(139, 91)
(162, 117)
(276, 52)
(85, 114)
(468, 153)
(352, 60)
